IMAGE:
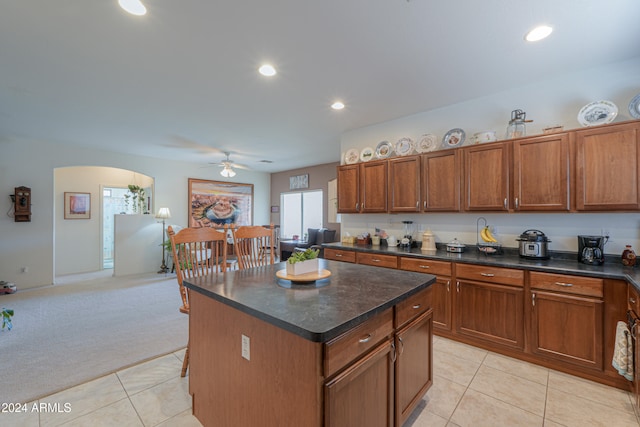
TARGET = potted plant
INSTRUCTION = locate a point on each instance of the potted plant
(135, 196)
(303, 262)
(7, 314)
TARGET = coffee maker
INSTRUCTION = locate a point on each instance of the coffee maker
(591, 249)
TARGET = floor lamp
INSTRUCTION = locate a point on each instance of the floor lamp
(163, 214)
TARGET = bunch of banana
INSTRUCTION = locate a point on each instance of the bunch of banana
(486, 235)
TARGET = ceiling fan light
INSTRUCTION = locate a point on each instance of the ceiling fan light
(134, 7)
(538, 33)
(227, 172)
(267, 70)
(338, 105)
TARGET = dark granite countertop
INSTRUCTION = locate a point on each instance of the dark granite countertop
(317, 312)
(560, 262)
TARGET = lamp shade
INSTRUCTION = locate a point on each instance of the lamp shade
(227, 172)
(163, 213)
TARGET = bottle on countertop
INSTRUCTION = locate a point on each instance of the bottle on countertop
(628, 256)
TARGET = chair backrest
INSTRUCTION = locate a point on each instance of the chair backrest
(254, 245)
(197, 252)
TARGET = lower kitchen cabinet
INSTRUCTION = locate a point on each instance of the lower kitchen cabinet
(490, 304)
(414, 365)
(370, 380)
(567, 318)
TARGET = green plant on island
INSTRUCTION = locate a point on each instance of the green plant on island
(307, 255)
(7, 314)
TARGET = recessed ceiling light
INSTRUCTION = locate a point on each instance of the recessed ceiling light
(267, 70)
(134, 7)
(538, 33)
(338, 105)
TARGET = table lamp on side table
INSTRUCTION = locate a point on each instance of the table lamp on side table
(163, 214)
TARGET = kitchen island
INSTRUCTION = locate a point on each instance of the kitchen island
(353, 349)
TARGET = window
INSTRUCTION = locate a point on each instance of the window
(300, 211)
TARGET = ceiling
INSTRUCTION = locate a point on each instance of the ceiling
(181, 82)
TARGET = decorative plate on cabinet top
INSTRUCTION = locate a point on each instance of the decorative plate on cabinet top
(405, 146)
(453, 138)
(428, 142)
(597, 113)
(384, 150)
(351, 156)
(634, 107)
(366, 154)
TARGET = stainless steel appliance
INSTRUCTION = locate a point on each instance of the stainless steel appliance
(591, 249)
(533, 244)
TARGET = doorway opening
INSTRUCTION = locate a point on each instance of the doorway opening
(113, 202)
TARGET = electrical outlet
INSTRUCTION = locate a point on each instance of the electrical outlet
(246, 347)
(25, 269)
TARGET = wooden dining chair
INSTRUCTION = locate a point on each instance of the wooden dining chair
(196, 252)
(254, 245)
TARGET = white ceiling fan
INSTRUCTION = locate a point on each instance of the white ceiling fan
(227, 166)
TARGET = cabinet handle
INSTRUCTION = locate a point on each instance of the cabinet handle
(418, 204)
(375, 260)
(517, 203)
(393, 352)
(487, 274)
(357, 206)
(338, 255)
(401, 346)
(417, 306)
(365, 339)
(424, 204)
(425, 266)
(632, 300)
(458, 286)
(566, 285)
(505, 203)
(448, 285)
(533, 300)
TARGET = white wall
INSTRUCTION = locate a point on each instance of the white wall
(552, 102)
(32, 164)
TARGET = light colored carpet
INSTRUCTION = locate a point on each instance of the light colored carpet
(85, 327)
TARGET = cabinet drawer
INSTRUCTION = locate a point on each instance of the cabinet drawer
(633, 299)
(389, 261)
(338, 255)
(340, 351)
(576, 285)
(413, 306)
(482, 273)
(439, 268)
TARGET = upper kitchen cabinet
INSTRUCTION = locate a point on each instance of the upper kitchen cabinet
(441, 181)
(541, 173)
(362, 188)
(349, 189)
(486, 177)
(607, 163)
(404, 184)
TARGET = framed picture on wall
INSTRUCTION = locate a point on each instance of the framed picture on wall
(216, 203)
(77, 205)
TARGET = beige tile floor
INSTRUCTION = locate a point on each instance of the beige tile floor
(472, 387)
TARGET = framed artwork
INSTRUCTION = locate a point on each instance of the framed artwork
(299, 181)
(216, 203)
(275, 209)
(77, 205)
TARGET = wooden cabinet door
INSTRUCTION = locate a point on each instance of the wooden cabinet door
(441, 172)
(541, 173)
(486, 177)
(441, 303)
(414, 365)
(362, 395)
(608, 168)
(404, 184)
(373, 186)
(349, 189)
(490, 312)
(568, 328)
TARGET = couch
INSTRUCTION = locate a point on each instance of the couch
(315, 238)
